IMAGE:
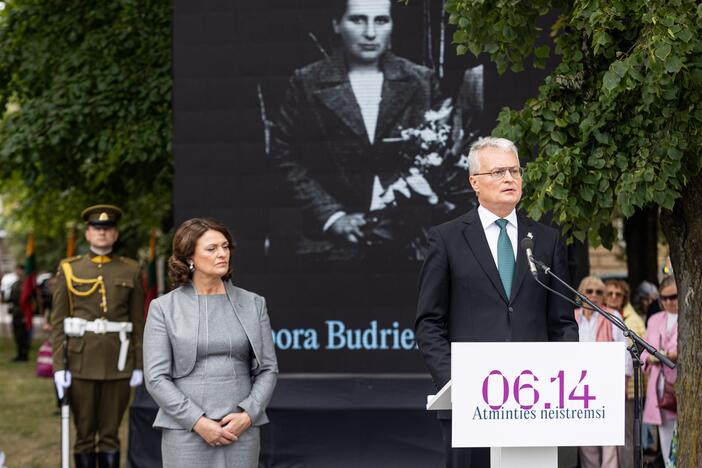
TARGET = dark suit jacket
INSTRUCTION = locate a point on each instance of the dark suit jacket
(320, 142)
(461, 297)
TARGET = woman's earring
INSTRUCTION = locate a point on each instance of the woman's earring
(191, 267)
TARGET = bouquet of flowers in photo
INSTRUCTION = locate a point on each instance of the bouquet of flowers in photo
(433, 174)
(433, 170)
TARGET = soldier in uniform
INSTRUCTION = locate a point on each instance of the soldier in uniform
(101, 297)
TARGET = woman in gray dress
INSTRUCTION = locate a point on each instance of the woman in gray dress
(209, 360)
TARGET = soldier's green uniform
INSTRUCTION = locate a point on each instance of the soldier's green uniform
(95, 287)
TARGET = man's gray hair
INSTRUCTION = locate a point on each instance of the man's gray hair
(487, 142)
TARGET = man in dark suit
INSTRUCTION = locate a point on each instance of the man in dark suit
(475, 284)
(336, 139)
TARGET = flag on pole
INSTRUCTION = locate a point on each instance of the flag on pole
(151, 283)
(29, 286)
(71, 242)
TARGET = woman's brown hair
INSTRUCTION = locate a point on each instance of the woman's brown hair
(184, 242)
(624, 286)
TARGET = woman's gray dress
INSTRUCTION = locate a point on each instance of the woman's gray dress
(219, 380)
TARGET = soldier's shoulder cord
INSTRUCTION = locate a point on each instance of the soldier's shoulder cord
(94, 284)
(71, 259)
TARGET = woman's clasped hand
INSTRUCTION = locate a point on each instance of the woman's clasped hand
(224, 431)
(213, 432)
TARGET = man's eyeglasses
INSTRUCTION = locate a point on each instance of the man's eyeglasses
(596, 292)
(672, 297)
(499, 173)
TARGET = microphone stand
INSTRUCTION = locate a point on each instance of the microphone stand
(638, 345)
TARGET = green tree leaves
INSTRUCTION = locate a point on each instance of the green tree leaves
(617, 124)
(505, 29)
(87, 88)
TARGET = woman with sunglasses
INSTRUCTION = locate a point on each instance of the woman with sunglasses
(594, 327)
(662, 332)
(617, 297)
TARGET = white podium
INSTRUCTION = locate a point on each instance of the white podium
(523, 400)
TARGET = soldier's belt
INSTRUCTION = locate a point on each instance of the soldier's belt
(76, 327)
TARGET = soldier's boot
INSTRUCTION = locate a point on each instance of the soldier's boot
(84, 460)
(108, 459)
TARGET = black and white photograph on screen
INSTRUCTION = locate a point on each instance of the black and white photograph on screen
(330, 135)
(369, 150)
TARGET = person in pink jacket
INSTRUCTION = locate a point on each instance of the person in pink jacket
(662, 332)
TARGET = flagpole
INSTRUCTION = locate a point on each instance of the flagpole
(71, 241)
(151, 286)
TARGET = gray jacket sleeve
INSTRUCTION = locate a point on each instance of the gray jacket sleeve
(265, 374)
(158, 357)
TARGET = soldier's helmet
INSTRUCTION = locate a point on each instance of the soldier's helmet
(101, 215)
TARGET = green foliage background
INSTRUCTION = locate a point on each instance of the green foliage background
(86, 89)
(616, 126)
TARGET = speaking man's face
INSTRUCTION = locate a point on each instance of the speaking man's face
(365, 30)
(500, 195)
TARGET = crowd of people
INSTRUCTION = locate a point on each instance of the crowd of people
(651, 314)
(208, 357)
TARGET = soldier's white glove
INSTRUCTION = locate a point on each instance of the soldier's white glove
(137, 378)
(62, 380)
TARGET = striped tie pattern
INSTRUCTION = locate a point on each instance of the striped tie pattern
(505, 256)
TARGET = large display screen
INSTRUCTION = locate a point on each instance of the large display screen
(329, 136)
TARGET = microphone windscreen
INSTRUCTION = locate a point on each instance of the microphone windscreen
(527, 243)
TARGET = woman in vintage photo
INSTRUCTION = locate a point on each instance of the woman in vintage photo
(336, 136)
(209, 360)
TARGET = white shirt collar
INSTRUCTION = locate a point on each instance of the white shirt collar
(487, 217)
(97, 251)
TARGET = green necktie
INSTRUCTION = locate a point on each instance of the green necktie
(505, 256)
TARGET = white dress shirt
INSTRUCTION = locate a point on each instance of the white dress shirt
(368, 89)
(492, 230)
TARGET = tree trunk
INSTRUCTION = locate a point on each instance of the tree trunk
(641, 236)
(578, 261)
(683, 229)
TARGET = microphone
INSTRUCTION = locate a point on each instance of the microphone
(528, 244)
